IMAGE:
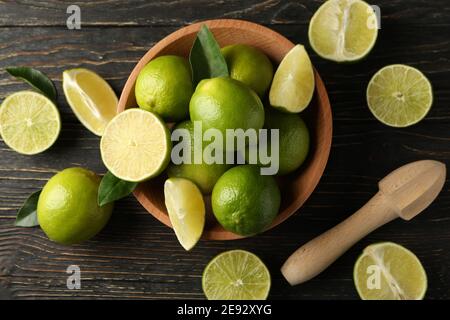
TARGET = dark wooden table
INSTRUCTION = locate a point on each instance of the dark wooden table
(137, 257)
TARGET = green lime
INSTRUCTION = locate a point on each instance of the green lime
(388, 271)
(250, 66)
(225, 103)
(343, 30)
(29, 122)
(293, 84)
(164, 86)
(293, 139)
(204, 175)
(136, 145)
(236, 275)
(186, 208)
(399, 95)
(67, 209)
(244, 201)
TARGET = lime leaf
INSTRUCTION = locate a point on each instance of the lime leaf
(112, 188)
(206, 58)
(27, 217)
(36, 79)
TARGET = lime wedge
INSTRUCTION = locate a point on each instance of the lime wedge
(91, 98)
(343, 30)
(29, 122)
(136, 145)
(388, 271)
(186, 208)
(236, 275)
(293, 84)
(399, 95)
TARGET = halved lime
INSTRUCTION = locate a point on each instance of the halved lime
(343, 30)
(136, 145)
(91, 98)
(29, 122)
(186, 208)
(293, 84)
(388, 271)
(236, 275)
(399, 95)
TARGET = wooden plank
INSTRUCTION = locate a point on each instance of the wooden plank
(136, 257)
(181, 12)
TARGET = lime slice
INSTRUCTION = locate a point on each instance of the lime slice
(29, 122)
(388, 271)
(186, 208)
(343, 30)
(91, 98)
(293, 84)
(236, 275)
(399, 95)
(136, 145)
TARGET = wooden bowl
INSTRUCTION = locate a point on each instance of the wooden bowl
(296, 187)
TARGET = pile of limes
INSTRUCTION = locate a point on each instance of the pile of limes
(136, 144)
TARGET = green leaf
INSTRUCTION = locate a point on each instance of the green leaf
(36, 79)
(27, 216)
(206, 58)
(112, 189)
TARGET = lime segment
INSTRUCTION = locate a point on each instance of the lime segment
(136, 145)
(186, 208)
(343, 30)
(29, 122)
(388, 271)
(293, 84)
(91, 98)
(236, 275)
(399, 95)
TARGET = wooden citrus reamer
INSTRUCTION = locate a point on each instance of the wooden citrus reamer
(403, 193)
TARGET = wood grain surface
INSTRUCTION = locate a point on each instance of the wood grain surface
(136, 256)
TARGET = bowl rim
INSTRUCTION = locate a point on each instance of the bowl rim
(139, 193)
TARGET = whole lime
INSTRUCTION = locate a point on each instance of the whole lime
(67, 208)
(204, 175)
(250, 66)
(164, 86)
(244, 201)
(225, 103)
(293, 139)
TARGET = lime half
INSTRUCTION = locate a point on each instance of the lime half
(399, 95)
(236, 275)
(186, 208)
(388, 271)
(91, 98)
(293, 84)
(29, 122)
(136, 145)
(343, 30)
